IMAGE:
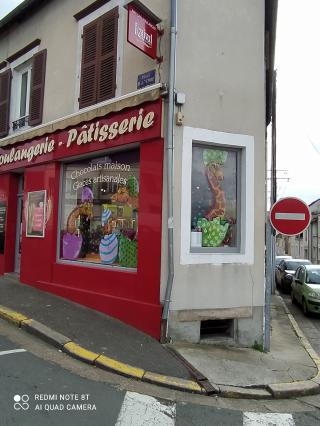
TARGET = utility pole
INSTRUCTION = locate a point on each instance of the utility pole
(270, 232)
(273, 194)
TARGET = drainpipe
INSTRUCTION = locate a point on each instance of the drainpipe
(169, 149)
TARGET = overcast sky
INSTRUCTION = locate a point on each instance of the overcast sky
(7, 5)
(298, 65)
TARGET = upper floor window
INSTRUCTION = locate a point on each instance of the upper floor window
(99, 59)
(22, 90)
(21, 80)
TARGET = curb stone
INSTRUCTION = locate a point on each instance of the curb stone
(116, 366)
(44, 332)
(173, 382)
(238, 392)
(71, 348)
(289, 390)
(12, 316)
(77, 351)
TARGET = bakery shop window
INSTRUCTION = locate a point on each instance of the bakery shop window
(100, 204)
(215, 182)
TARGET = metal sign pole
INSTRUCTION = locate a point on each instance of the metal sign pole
(268, 283)
(270, 234)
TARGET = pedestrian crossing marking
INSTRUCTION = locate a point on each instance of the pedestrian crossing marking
(144, 410)
(267, 419)
(12, 351)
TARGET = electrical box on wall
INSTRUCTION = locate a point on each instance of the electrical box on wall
(180, 98)
(179, 118)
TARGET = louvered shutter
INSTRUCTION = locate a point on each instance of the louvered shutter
(99, 59)
(108, 55)
(88, 85)
(37, 87)
(5, 89)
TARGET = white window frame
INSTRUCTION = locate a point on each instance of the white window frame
(245, 143)
(18, 67)
(18, 77)
(120, 46)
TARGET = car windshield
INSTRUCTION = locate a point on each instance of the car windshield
(278, 260)
(292, 266)
(313, 276)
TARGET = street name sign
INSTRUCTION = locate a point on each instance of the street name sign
(290, 216)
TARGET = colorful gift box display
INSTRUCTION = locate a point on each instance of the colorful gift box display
(128, 252)
(213, 231)
(71, 246)
(108, 248)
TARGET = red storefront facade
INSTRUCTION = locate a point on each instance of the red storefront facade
(86, 168)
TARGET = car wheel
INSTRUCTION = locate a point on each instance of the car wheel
(280, 286)
(305, 308)
(284, 287)
(293, 299)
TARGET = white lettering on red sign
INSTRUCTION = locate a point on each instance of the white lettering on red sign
(143, 35)
(290, 216)
(88, 133)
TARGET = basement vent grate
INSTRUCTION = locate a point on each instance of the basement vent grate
(216, 328)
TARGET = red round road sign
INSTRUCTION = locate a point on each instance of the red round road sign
(290, 216)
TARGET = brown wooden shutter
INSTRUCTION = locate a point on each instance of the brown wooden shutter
(5, 90)
(88, 84)
(99, 59)
(37, 87)
(108, 56)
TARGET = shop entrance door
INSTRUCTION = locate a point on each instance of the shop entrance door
(19, 225)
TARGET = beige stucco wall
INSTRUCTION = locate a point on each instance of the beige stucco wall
(220, 68)
(58, 30)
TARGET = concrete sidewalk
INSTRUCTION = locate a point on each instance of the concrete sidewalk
(289, 369)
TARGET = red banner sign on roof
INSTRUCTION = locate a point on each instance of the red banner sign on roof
(142, 33)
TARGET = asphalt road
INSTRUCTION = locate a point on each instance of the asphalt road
(41, 386)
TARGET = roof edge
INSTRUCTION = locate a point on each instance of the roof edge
(18, 13)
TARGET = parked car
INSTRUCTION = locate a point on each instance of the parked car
(306, 288)
(283, 257)
(276, 264)
(285, 271)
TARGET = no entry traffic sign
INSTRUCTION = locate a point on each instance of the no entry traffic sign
(290, 216)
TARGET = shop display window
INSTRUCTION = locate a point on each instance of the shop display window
(214, 198)
(217, 197)
(99, 210)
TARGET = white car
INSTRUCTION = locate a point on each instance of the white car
(279, 258)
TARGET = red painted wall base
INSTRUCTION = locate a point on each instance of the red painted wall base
(143, 316)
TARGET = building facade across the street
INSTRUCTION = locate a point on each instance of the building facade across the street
(305, 245)
(132, 159)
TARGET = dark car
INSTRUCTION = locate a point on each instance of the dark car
(276, 264)
(285, 271)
